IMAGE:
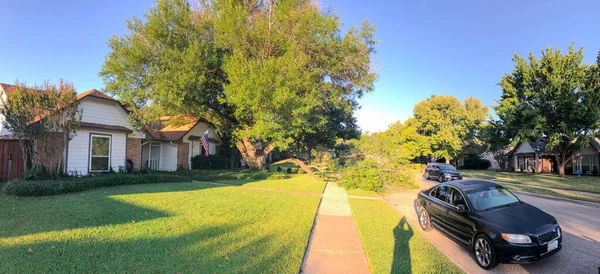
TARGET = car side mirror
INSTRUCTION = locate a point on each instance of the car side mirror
(461, 208)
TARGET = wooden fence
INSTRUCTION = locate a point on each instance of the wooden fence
(11, 162)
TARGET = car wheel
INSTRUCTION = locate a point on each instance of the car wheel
(441, 178)
(485, 255)
(424, 220)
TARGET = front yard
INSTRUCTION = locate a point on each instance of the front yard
(182, 227)
(569, 182)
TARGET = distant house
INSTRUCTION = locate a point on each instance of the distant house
(533, 157)
(106, 140)
(169, 146)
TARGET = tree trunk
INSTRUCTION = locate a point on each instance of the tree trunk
(560, 163)
(254, 157)
(447, 160)
(309, 149)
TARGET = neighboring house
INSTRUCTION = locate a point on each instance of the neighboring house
(172, 144)
(106, 139)
(532, 156)
(100, 143)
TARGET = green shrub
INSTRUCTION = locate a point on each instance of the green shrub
(210, 162)
(301, 171)
(69, 185)
(278, 176)
(368, 174)
(278, 168)
(475, 162)
(362, 174)
(289, 170)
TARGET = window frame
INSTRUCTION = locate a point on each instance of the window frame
(100, 135)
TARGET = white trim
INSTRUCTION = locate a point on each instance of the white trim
(109, 137)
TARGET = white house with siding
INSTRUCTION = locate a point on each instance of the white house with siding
(106, 140)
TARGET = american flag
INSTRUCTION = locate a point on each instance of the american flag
(204, 140)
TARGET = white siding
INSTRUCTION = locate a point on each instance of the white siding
(105, 112)
(168, 156)
(79, 147)
(196, 149)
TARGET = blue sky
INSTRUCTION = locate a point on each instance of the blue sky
(427, 47)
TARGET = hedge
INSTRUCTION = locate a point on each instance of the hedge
(22, 187)
(210, 162)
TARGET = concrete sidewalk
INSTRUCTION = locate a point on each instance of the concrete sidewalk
(335, 246)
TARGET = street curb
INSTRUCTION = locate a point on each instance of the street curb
(593, 204)
(420, 230)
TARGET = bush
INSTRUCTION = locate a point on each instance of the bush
(210, 162)
(289, 170)
(362, 174)
(69, 185)
(475, 162)
(278, 176)
(278, 168)
(301, 171)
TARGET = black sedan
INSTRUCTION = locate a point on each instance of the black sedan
(441, 172)
(488, 219)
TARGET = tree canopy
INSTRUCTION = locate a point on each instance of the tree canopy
(33, 111)
(448, 124)
(555, 97)
(264, 71)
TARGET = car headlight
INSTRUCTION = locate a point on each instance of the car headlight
(516, 238)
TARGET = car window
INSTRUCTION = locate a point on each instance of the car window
(490, 198)
(433, 192)
(456, 198)
(447, 167)
(443, 193)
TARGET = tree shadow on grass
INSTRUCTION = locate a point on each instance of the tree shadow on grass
(22, 216)
(402, 235)
(210, 249)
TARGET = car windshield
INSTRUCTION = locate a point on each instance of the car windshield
(490, 198)
(447, 167)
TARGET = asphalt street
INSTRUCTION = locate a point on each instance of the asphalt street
(581, 235)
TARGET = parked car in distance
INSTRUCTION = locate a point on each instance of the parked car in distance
(441, 172)
(489, 220)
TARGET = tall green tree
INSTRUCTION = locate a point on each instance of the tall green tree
(449, 124)
(257, 69)
(556, 97)
(497, 139)
(32, 112)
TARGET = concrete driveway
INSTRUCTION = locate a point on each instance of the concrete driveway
(581, 235)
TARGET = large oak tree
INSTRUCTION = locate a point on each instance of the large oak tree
(259, 70)
(449, 124)
(554, 97)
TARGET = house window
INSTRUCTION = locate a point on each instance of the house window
(589, 163)
(100, 153)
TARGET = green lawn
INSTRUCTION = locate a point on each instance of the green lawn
(553, 192)
(164, 228)
(362, 193)
(569, 182)
(391, 245)
(297, 182)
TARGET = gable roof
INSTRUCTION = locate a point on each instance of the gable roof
(165, 131)
(8, 89)
(538, 146)
(95, 93)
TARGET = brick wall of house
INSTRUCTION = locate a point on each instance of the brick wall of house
(183, 155)
(134, 152)
(49, 150)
